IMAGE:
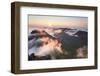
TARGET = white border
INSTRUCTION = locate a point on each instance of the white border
(25, 64)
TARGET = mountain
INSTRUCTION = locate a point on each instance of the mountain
(43, 45)
(71, 40)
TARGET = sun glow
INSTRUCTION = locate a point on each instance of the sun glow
(58, 21)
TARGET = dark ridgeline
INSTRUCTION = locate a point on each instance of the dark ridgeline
(34, 34)
(33, 57)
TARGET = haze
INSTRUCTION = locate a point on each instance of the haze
(57, 21)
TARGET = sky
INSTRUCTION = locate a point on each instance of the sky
(57, 21)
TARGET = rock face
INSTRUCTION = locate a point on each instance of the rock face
(60, 45)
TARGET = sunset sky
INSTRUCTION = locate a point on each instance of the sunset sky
(57, 21)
